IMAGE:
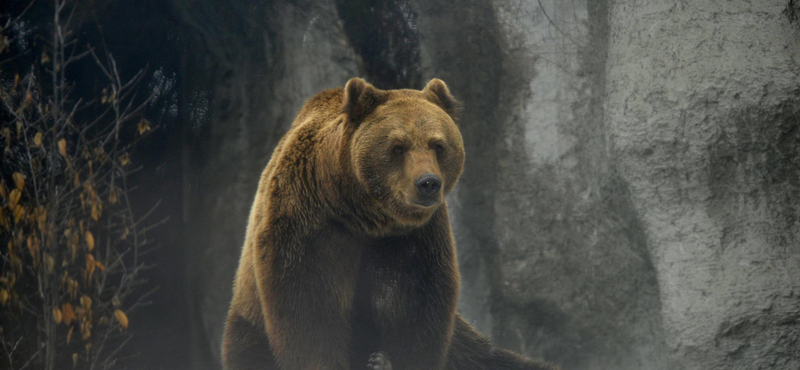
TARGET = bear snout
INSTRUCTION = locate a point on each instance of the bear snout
(428, 186)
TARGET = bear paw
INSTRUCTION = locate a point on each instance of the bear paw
(379, 361)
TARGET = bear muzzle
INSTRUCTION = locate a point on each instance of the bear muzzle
(429, 186)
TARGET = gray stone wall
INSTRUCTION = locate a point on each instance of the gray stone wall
(702, 110)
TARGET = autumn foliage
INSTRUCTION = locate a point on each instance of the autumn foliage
(71, 248)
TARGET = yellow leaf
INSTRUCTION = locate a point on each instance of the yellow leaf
(115, 301)
(4, 296)
(37, 140)
(112, 196)
(16, 81)
(14, 198)
(72, 288)
(19, 180)
(125, 159)
(97, 210)
(86, 302)
(68, 313)
(89, 240)
(57, 315)
(122, 318)
(74, 357)
(69, 334)
(3, 191)
(144, 126)
(18, 212)
(62, 147)
(42, 220)
(90, 266)
(49, 262)
(86, 331)
(45, 58)
(100, 266)
(73, 246)
(33, 246)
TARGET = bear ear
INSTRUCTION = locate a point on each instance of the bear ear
(360, 99)
(436, 92)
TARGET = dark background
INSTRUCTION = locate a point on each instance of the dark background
(630, 196)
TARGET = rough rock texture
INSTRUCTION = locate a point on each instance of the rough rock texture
(577, 282)
(702, 109)
(554, 262)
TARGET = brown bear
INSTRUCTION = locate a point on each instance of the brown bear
(349, 258)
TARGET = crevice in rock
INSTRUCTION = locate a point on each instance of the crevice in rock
(384, 34)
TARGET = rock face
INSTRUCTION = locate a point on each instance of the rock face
(630, 196)
(702, 110)
(554, 261)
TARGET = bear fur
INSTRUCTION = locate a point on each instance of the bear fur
(349, 251)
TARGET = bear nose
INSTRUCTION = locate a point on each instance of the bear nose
(428, 184)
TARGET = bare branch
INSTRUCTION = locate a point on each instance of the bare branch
(72, 233)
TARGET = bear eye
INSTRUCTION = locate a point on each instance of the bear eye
(439, 148)
(398, 150)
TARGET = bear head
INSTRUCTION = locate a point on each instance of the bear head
(406, 150)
